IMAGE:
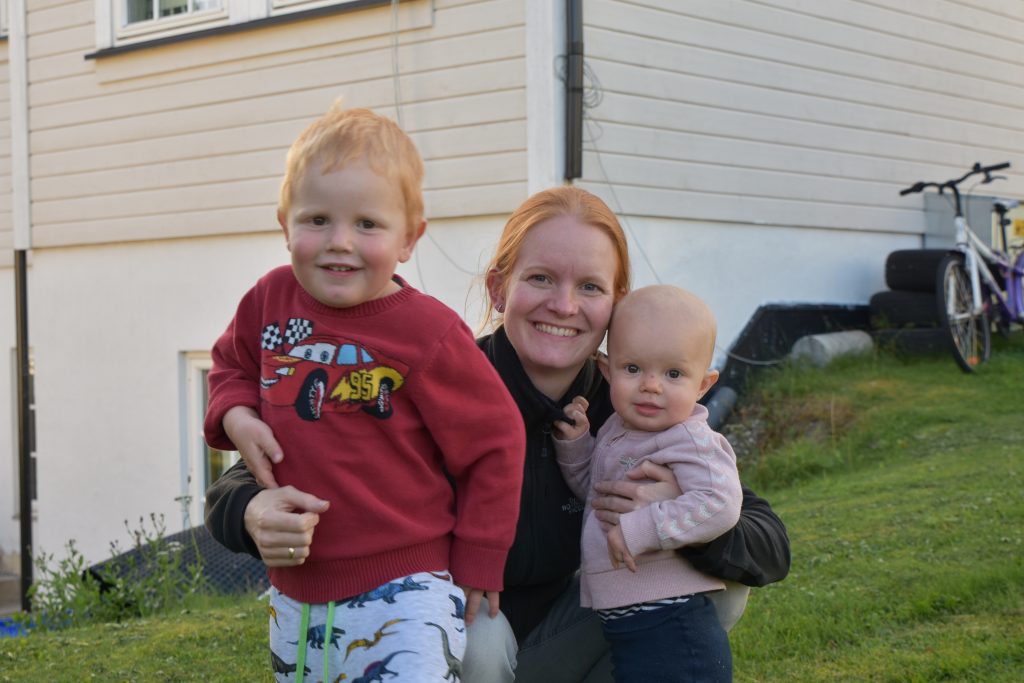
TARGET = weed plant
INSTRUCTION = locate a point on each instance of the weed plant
(148, 580)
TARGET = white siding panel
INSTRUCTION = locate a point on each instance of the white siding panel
(220, 104)
(475, 201)
(367, 60)
(445, 174)
(164, 201)
(705, 120)
(757, 19)
(193, 173)
(73, 42)
(46, 4)
(938, 23)
(196, 174)
(962, 97)
(712, 149)
(466, 201)
(65, 15)
(792, 113)
(819, 108)
(182, 223)
(43, 69)
(434, 141)
(1001, 9)
(185, 139)
(635, 200)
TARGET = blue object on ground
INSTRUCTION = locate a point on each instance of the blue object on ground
(9, 628)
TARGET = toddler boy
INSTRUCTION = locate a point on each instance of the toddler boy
(385, 407)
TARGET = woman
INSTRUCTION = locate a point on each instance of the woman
(560, 266)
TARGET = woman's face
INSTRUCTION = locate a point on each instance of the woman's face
(558, 299)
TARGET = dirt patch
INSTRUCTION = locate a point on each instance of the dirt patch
(757, 427)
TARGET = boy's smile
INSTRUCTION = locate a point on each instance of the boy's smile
(347, 231)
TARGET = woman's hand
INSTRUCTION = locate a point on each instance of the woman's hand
(281, 523)
(651, 483)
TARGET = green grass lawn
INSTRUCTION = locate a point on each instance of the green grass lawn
(900, 482)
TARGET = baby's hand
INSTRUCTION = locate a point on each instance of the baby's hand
(617, 550)
(255, 442)
(576, 424)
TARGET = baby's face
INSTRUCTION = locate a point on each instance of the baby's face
(657, 368)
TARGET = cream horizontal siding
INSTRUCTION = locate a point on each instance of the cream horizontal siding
(189, 139)
(791, 113)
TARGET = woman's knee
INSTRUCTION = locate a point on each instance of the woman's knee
(730, 603)
(490, 649)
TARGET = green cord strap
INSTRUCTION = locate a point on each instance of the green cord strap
(328, 634)
(300, 663)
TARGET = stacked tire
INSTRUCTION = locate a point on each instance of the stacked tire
(906, 317)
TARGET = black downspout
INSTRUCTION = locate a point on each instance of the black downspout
(574, 89)
(26, 471)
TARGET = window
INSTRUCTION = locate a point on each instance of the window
(146, 19)
(126, 22)
(137, 11)
(201, 465)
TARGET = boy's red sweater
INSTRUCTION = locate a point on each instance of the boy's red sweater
(375, 406)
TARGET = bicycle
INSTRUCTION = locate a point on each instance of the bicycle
(967, 291)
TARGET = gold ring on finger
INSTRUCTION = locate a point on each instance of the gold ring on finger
(291, 553)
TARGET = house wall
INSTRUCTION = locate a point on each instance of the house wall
(8, 439)
(188, 139)
(154, 177)
(756, 149)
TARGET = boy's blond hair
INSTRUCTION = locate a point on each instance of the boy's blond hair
(342, 136)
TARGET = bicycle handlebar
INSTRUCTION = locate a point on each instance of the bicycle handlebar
(952, 184)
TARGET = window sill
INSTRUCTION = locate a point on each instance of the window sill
(234, 28)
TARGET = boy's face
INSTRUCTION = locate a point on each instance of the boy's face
(657, 368)
(347, 231)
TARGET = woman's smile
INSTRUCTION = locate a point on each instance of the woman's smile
(558, 299)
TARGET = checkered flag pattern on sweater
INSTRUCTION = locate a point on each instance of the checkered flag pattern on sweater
(271, 337)
(297, 330)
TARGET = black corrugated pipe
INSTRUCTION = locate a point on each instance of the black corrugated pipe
(26, 471)
(574, 89)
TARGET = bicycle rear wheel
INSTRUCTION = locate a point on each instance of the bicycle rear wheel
(969, 333)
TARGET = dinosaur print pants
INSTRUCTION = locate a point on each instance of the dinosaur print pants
(409, 629)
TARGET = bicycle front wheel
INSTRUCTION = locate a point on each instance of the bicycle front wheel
(969, 332)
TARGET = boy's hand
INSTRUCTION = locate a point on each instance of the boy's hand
(576, 424)
(255, 442)
(473, 596)
(617, 550)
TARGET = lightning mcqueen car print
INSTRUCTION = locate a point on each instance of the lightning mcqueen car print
(329, 374)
